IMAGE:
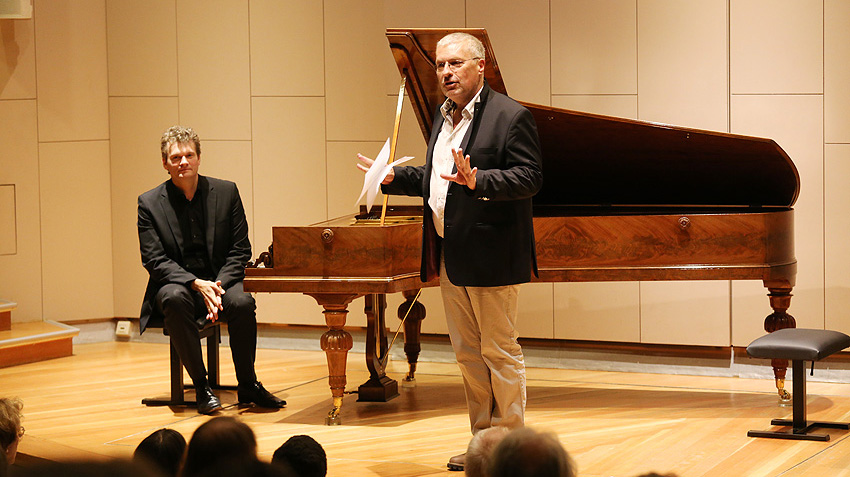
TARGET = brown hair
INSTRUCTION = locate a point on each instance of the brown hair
(10, 420)
(179, 134)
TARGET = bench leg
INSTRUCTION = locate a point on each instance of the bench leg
(176, 370)
(178, 387)
(799, 426)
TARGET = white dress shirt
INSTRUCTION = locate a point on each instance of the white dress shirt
(443, 162)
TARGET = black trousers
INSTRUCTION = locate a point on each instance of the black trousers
(185, 314)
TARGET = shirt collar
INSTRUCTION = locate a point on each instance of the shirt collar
(175, 193)
(449, 106)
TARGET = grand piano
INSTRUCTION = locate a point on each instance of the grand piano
(622, 200)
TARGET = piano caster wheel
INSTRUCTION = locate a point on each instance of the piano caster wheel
(784, 396)
(333, 418)
(408, 382)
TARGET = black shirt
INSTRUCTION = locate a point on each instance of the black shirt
(192, 218)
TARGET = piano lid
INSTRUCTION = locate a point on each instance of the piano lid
(591, 160)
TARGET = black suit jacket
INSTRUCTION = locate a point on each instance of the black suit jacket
(489, 233)
(161, 241)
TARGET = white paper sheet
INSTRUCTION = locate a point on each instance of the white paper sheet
(376, 174)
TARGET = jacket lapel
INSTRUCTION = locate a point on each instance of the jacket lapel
(469, 137)
(171, 217)
(212, 203)
(435, 130)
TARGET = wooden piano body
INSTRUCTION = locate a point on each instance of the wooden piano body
(621, 200)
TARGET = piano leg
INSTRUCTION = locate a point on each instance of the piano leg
(379, 387)
(780, 300)
(412, 331)
(336, 342)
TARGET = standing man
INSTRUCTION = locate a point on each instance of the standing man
(477, 227)
(193, 237)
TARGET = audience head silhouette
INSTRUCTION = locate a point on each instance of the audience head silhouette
(4, 466)
(11, 430)
(251, 468)
(91, 468)
(525, 452)
(480, 450)
(164, 449)
(221, 440)
(303, 455)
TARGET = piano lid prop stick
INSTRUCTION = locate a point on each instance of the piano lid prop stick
(394, 141)
(387, 354)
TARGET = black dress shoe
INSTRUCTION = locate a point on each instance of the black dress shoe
(457, 462)
(255, 393)
(208, 403)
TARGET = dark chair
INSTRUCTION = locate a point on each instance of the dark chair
(799, 345)
(212, 333)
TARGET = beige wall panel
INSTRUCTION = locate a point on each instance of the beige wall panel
(299, 309)
(289, 164)
(796, 124)
(751, 305)
(593, 47)
(142, 47)
(213, 67)
(536, 315)
(76, 230)
(20, 273)
(519, 33)
(287, 48)
(17, 59)
(289, 308)
(836, 67)
(601, 311)
(621, 106)
(685, 312)
(836, 231)
(8, 229)
(135, 126)
(432, 14)
(418, 14)
(71, 70)
(357, 60)
(675, 85)
(776, 46)
(435, 313)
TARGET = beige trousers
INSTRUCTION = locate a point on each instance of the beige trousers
(482, 328)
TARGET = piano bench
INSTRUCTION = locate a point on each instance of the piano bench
(212, 333)
(799, 345)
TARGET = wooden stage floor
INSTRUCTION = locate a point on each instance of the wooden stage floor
(613, 424)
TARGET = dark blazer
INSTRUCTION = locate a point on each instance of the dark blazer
(161, 241)
(489, 233)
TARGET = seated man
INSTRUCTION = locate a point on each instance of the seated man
(193, 237)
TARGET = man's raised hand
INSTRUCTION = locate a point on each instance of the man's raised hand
(365, 164)
(464, 175)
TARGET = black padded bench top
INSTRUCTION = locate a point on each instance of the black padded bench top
(798, 344)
